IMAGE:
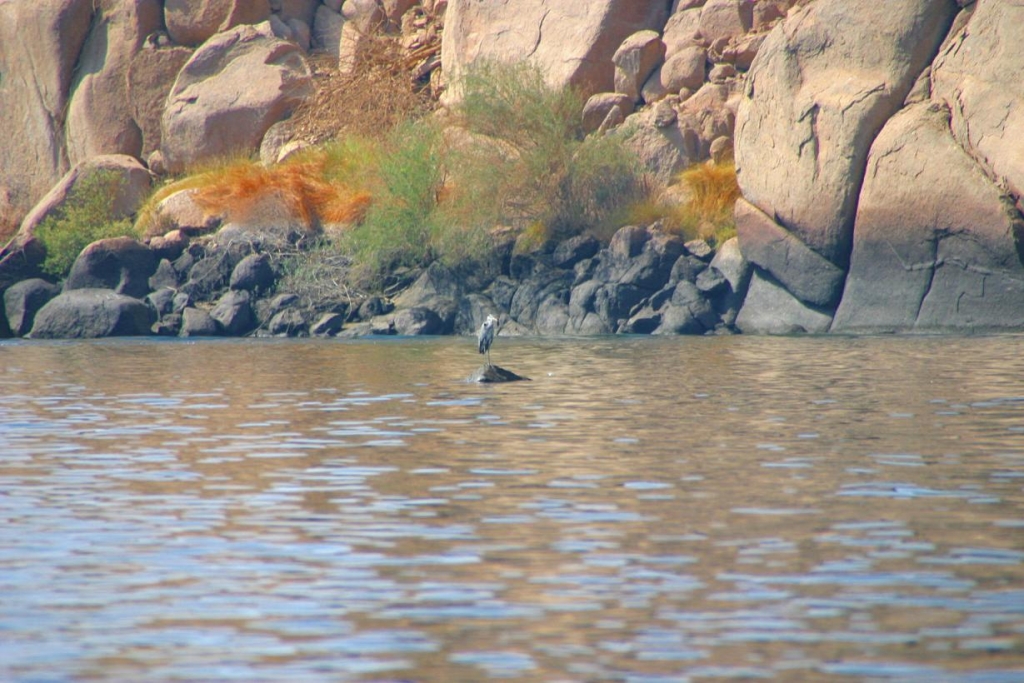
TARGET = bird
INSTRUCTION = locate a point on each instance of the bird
(485, 337)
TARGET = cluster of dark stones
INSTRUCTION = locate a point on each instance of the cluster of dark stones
(644, 281)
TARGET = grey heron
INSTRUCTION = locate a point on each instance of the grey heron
(485, 337)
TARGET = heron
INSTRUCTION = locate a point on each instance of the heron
(485, 337)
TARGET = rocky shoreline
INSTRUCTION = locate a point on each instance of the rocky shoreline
(645, 281)
(881, 172)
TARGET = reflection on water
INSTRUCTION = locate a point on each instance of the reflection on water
(644, 510)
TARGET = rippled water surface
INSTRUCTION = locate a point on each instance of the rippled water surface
(643, 510)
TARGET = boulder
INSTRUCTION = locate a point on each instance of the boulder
(233, 313)
(23, 300)
(164, 276)
(98, 122)
(494, 374)
(162, 301)
(807, 275)
(133, 185)
(229, 93)
(687, 312)
(328, 325)
(418, 321)
(195, 322)
(327, 28)
(572, 42)
(686, 68)
(635, 60)
(151, 74)
(191, 22)
(725, 19)
(682, 30)
(362, 19)
(535, 291)
(977, 75)
(936, 243)
(287, 323)
(598, 106)
(253, 273)
(663, 150)
(39, 47)
(118, 263)
(575, 249)
(92, 313)
(824, 83)
(181, 211)
(769, 309)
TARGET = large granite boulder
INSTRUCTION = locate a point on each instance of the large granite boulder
(824, 83)
(191, 22)
(91, 313)
(936, 244)
(98, 122)
(151, 74)
(235, 86)
(572, 42)
(119, 263)
(39, 47)
(977, 74)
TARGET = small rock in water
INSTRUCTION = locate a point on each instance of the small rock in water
(494, 373)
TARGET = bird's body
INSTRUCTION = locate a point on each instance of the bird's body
(485, 337)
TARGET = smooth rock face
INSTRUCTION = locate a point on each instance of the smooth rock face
(23, 300)
(936, 243)
(805, 273)
(120, 263)
(230, 92)
(978, 75)
(824, 83)
(98, 122)
(769, 309)
(39, 47)
(572, 42)
(92, 313)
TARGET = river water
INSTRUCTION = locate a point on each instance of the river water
(646, 509)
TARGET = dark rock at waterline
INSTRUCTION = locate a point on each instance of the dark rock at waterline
(328, 325)
(168, 326)
(23, 300)
(418, 321)
(770, 309)
(575, 249)
(287, 323)
(495, 374)
(253, 273)
(233, 313)
(91, 313)
(162, 300)
(163, 276)
(195, 322)
(119, 263)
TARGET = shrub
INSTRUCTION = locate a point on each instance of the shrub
(399, 224)
(544, 170)
(83, 219)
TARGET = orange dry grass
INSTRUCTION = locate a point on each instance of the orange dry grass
(714, 187)
(237, 190)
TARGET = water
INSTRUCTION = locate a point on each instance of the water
(644, 510)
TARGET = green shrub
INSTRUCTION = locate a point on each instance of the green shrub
(398, 227)
(84, 218)
(543, 169)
